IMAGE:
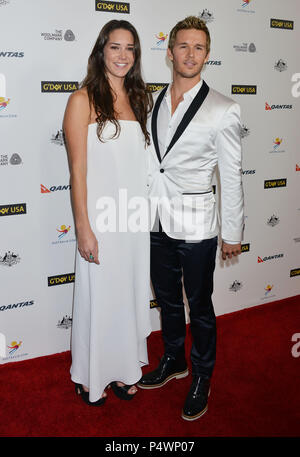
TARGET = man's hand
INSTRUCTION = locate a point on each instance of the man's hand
(228, 250)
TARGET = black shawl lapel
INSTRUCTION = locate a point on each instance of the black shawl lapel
(188, 116)
(154, 121)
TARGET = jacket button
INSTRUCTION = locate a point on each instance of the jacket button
(162, 170)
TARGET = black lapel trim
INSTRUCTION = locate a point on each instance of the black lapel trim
(154, 121)
(189, 114)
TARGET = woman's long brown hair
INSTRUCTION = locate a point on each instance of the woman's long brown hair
(99, 90)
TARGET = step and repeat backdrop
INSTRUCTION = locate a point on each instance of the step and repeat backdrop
(44, 48)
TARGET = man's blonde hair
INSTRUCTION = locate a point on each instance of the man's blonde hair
(190, 22)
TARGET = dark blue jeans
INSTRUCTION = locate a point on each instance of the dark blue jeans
(172, 260)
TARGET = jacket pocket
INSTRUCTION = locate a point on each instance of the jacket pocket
(197, 193)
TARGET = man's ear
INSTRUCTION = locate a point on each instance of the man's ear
(170, 54)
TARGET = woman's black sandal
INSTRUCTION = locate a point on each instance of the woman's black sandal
(85, 396)
(122, 391)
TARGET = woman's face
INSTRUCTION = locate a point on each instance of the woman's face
(119, 53)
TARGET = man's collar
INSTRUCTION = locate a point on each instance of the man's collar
(190, 93)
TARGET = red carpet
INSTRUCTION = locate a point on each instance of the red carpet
(255, 388)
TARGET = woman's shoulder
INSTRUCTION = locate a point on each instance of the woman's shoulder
(80, 97)
(80, 101)
(79, 104)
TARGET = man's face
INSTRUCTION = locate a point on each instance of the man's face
(189, 53)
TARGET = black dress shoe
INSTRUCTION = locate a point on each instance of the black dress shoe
(168, 369)
(196, 401)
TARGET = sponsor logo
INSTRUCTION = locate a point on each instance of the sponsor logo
(11, 210)
(58, 280)
(3, 159)
(63, 232)
(269, 108)
(112, 7)
(276, 145)
(15, 159)
(245, 47)
(4, 2)
(58, 138)
(244, 7)
(153, 87)
(59, 86)
(268, 290)
(4, 102)
(11, 54)
(45, 190)
(161, 42)
(69, 35)
(295, 272)
(244, 131)
(270, 257)
(272, 183)
(243, 89)
(9, 259)
(236, 286)
(281, 24)
(153, 304)
(17, 305)
(13, 348)
(162, 38)
(297, 167)
(58, 35)
(273, 220)
(214, 62)
(245, 247)
(297, 240)
(280, 65)
(249, 172)
(65, 322)
(206, 16)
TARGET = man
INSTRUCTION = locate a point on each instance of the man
(194, 128)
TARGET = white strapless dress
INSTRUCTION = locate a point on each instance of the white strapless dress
(111, 313)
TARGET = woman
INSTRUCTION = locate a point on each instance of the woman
(106, 135)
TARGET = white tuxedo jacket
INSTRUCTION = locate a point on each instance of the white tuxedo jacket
(180, 183)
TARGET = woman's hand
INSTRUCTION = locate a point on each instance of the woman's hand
(88, 246)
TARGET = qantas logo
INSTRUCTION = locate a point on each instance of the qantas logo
(45, 190)
(11, 54)
(270, 108)
(271, 257)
